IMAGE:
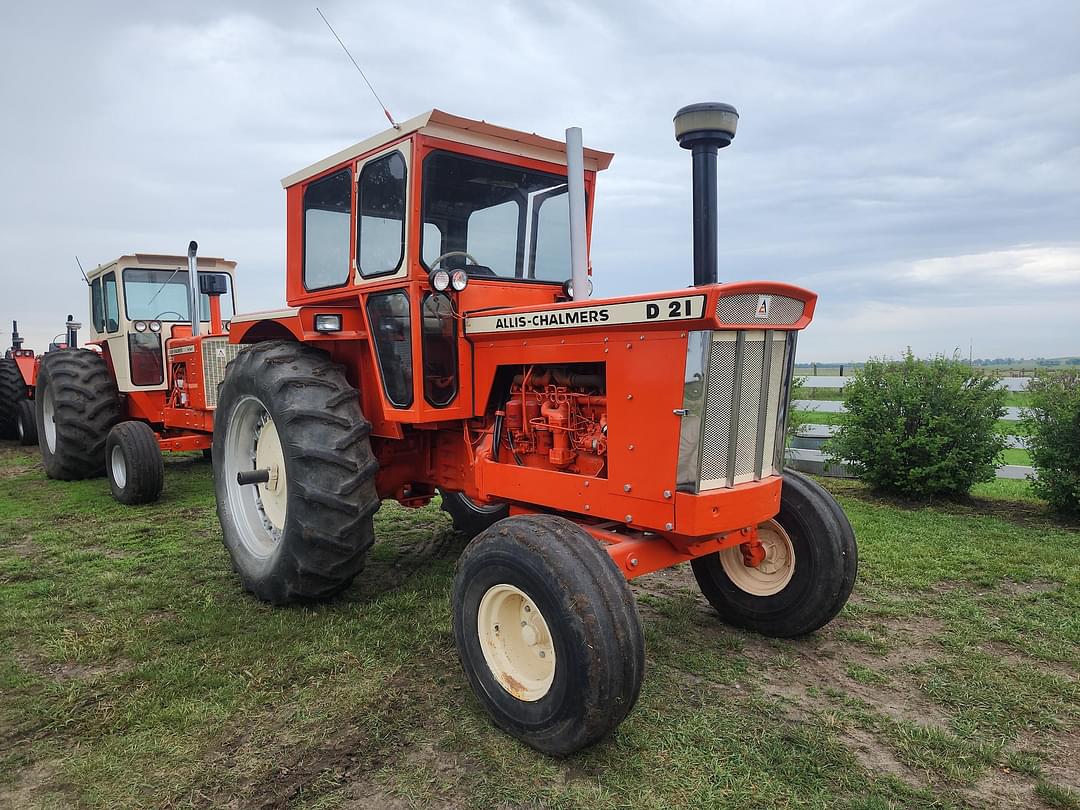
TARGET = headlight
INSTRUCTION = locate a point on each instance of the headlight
(439, 280)
(327, 323)
(459, 279)
(568, 287)
(140, 326)
(155, 326)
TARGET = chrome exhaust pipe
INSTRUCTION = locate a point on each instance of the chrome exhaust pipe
(193, 285)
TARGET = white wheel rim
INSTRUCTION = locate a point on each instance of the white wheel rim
(118, 467)
(48, 414)
(258, 510)
(775, 571)
(516, 642)
(273, 496)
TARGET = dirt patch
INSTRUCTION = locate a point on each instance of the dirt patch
(1001, 788)
(1014, 588)
(33, 785)
(71, 670)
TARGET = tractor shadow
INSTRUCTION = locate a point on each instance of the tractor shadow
(408, 544)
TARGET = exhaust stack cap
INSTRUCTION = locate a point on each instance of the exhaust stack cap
(708, 121)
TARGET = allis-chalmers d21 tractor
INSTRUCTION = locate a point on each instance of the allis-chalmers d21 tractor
(150, 382)
(432, 344)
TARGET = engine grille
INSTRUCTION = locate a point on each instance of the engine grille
(217, 353)
(743, 309)
(733, 431)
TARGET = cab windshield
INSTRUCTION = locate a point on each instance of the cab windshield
(162, 295)
(514, 222)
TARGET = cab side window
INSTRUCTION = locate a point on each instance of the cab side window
(380, 229)
(97, 307)
(327, 219)
(112, 303)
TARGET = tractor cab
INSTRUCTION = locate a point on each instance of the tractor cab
(140, 304)
(391, 240)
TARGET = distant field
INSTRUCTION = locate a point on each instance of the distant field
(1004, 426)
(1019, 399)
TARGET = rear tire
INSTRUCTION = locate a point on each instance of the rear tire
(547, 632)
(469, 517)
(25, 423)
(304, 534)
(76, 404)
(811, 528)
(133, 462)
(12, 392)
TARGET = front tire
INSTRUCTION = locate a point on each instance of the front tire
(133, 462)
(76, 404)
(304, 533)
(547, 632)
(808, 572)
(25, 423)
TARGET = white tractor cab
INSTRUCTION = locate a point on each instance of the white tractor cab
(139, 302)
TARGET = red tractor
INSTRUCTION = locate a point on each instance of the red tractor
(17, 371)
(150, 381)
(439, 338)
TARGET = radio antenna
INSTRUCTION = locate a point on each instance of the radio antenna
(84, 278)
(386, 112)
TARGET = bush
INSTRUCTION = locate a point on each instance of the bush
(920, 428)
(1053, 427)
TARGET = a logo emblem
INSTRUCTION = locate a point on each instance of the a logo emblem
(764, 303)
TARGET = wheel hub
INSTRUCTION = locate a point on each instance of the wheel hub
(516, 642)
(772, 573)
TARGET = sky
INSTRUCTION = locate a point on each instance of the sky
(917, 164)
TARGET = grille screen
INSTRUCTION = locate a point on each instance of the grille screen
(216, 354)
(745, 392)
(742, 309)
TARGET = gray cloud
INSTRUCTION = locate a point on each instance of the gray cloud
(917, 164)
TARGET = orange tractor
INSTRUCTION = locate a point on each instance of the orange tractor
(439, 338)
(149, 382)
(17, 369)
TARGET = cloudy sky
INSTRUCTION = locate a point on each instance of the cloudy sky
(915, 163)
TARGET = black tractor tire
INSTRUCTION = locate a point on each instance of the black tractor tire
(25, 422)
(133, 463)
(593, 632)
(324, 457)
(469, 517)
(76, 387)
(825, 566)
(12, 392)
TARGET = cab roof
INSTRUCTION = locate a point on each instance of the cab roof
(463, 130)
(155, 260)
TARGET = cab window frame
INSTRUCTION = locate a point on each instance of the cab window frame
(404, 186)
(335, 175)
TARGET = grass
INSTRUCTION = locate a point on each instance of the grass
(134, 672)
(1006, 427)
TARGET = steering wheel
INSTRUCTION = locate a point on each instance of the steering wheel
(179, 317)
(450, 253)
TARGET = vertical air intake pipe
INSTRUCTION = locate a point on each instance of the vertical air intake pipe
(704, 129)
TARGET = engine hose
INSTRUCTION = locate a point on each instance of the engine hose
(497, 438)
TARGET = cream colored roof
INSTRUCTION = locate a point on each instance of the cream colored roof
(163, 260)
(464, 130)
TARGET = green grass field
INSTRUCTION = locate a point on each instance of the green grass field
(134, 672)
(799, 417)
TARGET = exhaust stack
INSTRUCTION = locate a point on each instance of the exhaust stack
(704, 129)
(575, 193)
(16, 338)
(193, 286)
(71, 327)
